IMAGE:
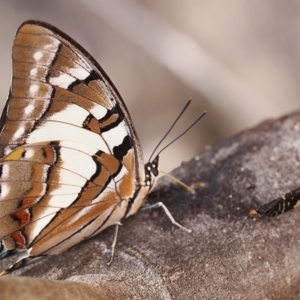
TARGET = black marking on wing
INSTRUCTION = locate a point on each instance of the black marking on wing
(114, 111)
(131, 201)
(57, 53)
(121, 150)
(92, 76)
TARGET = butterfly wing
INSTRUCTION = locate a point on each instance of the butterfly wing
(62, 113)
(60, 92)
(51, 202)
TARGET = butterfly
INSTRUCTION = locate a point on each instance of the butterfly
(72, 163)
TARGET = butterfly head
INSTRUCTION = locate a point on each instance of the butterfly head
(151, 171)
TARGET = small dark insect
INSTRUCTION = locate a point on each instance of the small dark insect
(277, 206)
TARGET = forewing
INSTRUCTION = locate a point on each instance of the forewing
(59, 92)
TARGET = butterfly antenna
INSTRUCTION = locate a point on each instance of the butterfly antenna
(178, 137)
(172, 126)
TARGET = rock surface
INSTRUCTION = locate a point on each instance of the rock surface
(225, 257)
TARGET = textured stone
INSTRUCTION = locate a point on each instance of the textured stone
(225, 257)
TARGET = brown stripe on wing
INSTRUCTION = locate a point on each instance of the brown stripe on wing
(99, 199)
(22, 184)
(36, 37)
(14, 131)
(26, 52)
(40, 56)
(49, 59)
(33, 56)
(125, 185)
(96, 200)
(25, 67)
(112, 119)
(95, 94)
(64, 95)
(68, 61)
(91, 194)
(17, 108)
(109, 162)
(83, 80)
(69, 232)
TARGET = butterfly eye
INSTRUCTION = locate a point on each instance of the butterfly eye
(152, 167)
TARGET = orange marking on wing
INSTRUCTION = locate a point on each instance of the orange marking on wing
(101, 179)
(19, 239)
(49, 154)
(23, 216)
(38, 172)
(29, 201)
(126, 186)
(99, 94)
(96, 95)
(128, 162)
(113, 118)
(37, 189)
(93, 125)
(109, 162)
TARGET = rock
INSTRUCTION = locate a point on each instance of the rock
(227, 256)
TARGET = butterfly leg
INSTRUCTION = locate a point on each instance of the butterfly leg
(113, 246)
(167, 212)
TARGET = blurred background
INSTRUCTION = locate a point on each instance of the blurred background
(238, 59)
